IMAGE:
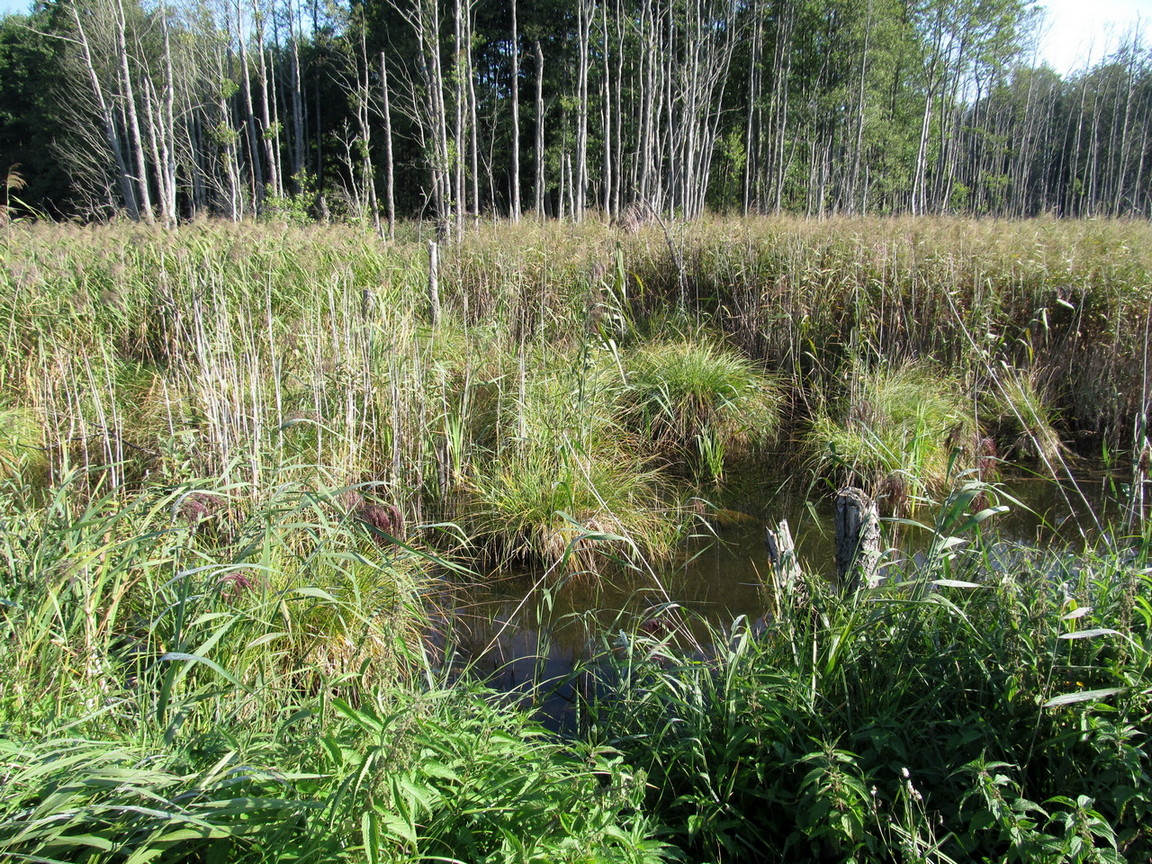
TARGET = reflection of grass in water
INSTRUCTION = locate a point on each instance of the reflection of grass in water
(899, 427)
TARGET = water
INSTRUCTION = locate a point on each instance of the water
(524, 629)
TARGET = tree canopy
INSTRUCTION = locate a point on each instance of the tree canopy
(444, 108)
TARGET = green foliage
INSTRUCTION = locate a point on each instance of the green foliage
(899, 425)
(20, 451)
(30, 119)
(957, 713)
(697, 396)
(235, 668)
(179, 689)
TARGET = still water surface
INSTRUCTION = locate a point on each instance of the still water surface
(522, 629)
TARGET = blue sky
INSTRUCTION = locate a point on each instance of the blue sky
(1077, 31)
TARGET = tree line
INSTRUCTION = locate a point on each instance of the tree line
(165, 110)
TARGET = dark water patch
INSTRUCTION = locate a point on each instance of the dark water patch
(539, 638)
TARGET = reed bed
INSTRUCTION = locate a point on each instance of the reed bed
(237, 666)
(988, 703)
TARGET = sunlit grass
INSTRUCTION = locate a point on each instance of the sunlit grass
(898, 429)
(235, 668)
(696, 399)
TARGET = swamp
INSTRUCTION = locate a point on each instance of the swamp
(319, 547)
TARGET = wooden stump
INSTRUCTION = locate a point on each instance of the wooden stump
(787, 581)
(857, 539)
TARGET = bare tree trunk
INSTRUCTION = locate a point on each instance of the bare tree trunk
(389, 180)
(458, 74)
(514, 209)
(167, 169)
(861, 114)
(584, 13)
(268, 131)
(431, 114)
(752, 120)
(784, 566)
(539, 131)
(607, 175)
(473, 121)
(144, 195)
(108, 122)
(152, 123)
(363, 115)
(250, 122)
(297, 101)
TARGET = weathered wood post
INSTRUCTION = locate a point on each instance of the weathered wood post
(434, 282)
(857, 539)
(783, 565)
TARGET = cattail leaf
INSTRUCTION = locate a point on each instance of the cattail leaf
(179, 656)
(266, 638)
(318, 593)
(1090, 634)
(1082, 696)
(1076, 613)
(956, 583)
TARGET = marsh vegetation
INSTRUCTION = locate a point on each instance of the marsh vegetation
(240, 464)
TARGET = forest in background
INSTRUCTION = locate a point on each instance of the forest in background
(377, 109)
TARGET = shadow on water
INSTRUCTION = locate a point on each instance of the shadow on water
(532, 637)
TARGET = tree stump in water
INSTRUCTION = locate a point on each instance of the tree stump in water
(857, 539)
(782, 563)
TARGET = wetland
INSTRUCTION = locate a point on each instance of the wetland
(303, 560)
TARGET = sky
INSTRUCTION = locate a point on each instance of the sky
(1080, 32)
(1076, 33)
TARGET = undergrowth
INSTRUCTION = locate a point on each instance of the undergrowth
(987, 703)
(239, 667)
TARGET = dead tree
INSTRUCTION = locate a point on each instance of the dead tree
(857, 540)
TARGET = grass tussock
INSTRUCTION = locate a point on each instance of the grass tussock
(564, 481)
(1015, 406)
(900, 429)
(698, 399)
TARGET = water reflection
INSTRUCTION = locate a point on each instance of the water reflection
(525, 629)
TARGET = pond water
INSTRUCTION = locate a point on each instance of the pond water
(524, 629)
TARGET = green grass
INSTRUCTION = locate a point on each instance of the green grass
(987, 704)
(702, 403)
(897, 430)
(564, 481)
(236, 668)
(258, 690)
